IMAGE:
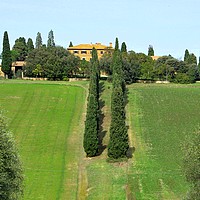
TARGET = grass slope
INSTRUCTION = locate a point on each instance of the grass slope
(46, 121)
(161, 116)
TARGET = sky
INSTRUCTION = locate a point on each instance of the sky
(170, 26)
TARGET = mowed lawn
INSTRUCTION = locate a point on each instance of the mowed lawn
(47, 123)
(161, 116)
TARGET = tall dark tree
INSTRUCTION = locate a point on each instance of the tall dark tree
(192, 166)
(50, 41)
(123, 47)
(30, 45)
(192, 59)
(116, 44)
(70, 44)
(20, 47)
(150, 51)
(11, 173)
(90, 142)
(186, 55)
(6, 56)
(38, 42)
(118, 144)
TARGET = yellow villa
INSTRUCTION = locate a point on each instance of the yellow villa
(84, 51)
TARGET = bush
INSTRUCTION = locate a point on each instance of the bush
(182, 78)
(11, 178)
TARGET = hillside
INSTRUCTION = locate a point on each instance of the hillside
(47, 121)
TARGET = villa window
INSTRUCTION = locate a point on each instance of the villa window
(75, 52)
(101, 52)
(83, 52)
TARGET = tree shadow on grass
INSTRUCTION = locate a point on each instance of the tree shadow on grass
(130, 152)
(102, 132)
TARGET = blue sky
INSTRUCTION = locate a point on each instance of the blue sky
(170, 26)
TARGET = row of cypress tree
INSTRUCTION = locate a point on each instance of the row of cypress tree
(118, 144)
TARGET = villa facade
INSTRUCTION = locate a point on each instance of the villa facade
(84, 51)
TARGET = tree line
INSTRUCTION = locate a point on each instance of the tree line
(57, 63)
(139, 66)
(118, 144)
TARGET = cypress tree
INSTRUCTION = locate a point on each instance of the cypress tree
(6, 56)
(150, 51)
(30, 45)
(118, 144)
(50, 41)
(116, 44)
(90, 142)
(38, 42)
(70, 44)
(123, 48)
(11, 174)
(186, 56)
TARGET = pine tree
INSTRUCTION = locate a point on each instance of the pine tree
(11, 174)
(90, 142)
(38, 42)
(30, 45)
(50, 41)
(123, 48)
(6, 56)
(150, 51)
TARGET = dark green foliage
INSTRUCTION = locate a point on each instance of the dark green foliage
(14, 55)
(11, 177)
(38, 42)
(190, 58)
(192, 165)
(70, 44)
(50, 41)
(116, 44)
(186, 56)
(118, 144)
(6, 56)
(105, 63)
(20, 47)
(123, 48)
(53, 62)
(30, 45)
(150, 51)
(85, 67)
(90, 142)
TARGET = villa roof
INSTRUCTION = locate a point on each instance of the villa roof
(18, 63)
(88, 46)
(155, 57)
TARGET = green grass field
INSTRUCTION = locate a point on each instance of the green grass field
(47, 120)
(161, 117)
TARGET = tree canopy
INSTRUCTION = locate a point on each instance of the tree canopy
(53, 63)
(6, 56)
(11, 173)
